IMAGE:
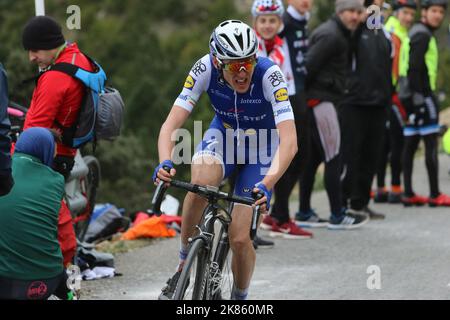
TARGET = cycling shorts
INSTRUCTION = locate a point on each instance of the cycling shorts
(232, 151)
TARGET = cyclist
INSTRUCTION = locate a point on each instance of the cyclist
(423, 108)
(397, 25)
(295, 43)
(30, 257)
(6, 180)
(249, 97)
(56, 102)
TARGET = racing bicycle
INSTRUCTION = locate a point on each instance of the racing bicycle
(207, 272)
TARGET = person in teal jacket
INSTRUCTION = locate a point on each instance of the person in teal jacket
(31, 262)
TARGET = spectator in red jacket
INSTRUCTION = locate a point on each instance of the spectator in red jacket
(57, 97)
(56, 102)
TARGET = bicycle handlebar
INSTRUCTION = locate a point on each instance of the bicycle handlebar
(211, 191)
(207, 191)
(198, 189)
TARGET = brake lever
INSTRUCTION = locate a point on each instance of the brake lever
(255, 215)
(158, 196)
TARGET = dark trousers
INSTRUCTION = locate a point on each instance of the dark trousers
(392, 153)
(314, 157)
(286, 184)
(431, 162)
(39, 289)
(363, 133)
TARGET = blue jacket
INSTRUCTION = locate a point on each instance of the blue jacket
(5, 143)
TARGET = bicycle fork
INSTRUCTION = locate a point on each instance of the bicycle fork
(217, 264)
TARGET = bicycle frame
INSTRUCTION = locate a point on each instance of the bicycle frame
(210, 256)
(216, 248)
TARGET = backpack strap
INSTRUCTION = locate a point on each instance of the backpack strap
(64, 67)
(92, 80)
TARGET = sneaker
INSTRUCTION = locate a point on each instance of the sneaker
(381, 196)
(168, 291)
(395, 197)
(373, 215)
(415, 200)
(267, 222)
(309, 220)
(289, 230)
(259, 242)
(350, 220)
(442, 200)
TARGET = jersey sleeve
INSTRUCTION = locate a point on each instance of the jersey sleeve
(44, 107)
(275, 91)
(195, 84)
(417, 66)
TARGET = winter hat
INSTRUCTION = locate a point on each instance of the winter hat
(42, 33)
(342, 5)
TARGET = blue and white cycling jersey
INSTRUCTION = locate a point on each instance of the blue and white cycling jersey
(264, 106)
(253, 114)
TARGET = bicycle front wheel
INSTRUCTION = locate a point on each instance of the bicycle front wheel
(193, 279)
(221, 275)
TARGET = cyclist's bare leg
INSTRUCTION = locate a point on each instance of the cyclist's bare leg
(205, 170)
(244, 255)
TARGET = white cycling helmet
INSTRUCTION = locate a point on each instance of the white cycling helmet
(262, 7)
(232, 40)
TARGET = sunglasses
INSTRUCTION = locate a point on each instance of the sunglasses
(237, 66)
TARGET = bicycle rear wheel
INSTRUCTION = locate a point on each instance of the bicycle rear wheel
(194, 277)
(89, 186)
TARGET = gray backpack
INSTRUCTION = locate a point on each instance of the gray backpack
(101, 112)
(109, 115)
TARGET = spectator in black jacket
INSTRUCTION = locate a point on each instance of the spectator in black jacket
(326, 66)
(364, 110)
(295, 45)
(422, 105)
(6, 180)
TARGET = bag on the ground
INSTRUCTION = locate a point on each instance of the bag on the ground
(94, 258)
(101, 112)
(106, 220)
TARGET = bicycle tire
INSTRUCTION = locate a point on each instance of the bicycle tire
(221, 276)
(196, 268)
(89, 185)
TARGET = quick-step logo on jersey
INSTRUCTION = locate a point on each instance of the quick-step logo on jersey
(281, 95)
(281, 111)
(189, 83)
(188, 99)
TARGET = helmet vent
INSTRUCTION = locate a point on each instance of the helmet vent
(248, 38)
(229, 42)
(240, 41)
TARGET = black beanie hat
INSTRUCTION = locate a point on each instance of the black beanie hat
(42, 33)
